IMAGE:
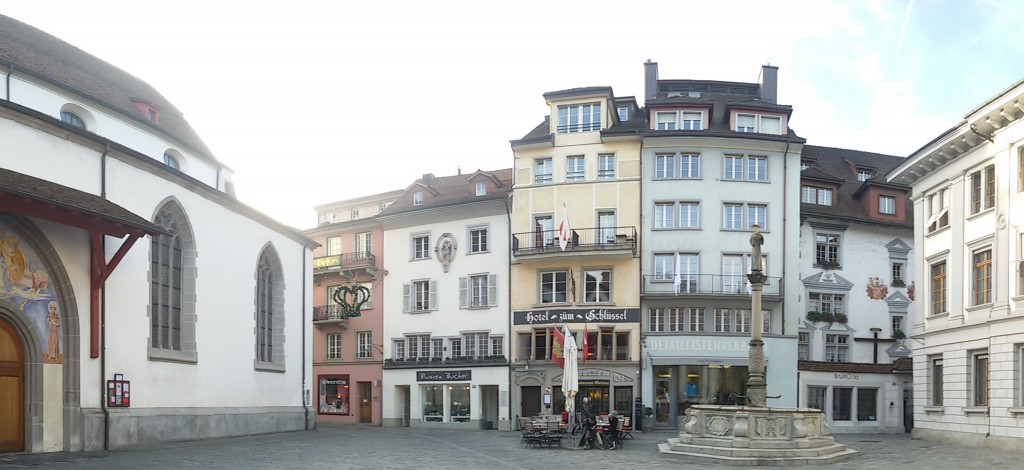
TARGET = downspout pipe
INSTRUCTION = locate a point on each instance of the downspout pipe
(302, 393)
(103, 315)
(10, 71)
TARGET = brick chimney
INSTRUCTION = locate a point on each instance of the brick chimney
(769, 83)
(650, 80)
(427, 178)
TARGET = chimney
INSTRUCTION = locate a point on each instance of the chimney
(769, 83)
(427, 178)
(650, 80)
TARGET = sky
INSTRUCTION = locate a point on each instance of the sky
(316, 101)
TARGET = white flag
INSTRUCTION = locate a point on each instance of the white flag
(564, 232)
(677, 279)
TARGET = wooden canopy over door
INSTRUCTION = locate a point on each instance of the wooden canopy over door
(12, 390)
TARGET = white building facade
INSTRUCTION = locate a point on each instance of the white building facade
(446, 315)
(857, 275)
(718, 158)
(968, 196)
(129, 313)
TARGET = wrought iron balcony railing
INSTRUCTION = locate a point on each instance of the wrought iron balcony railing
(582, 239)
(345, 261)
(706, 284)
(330, 314)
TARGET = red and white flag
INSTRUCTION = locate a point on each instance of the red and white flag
(564, 232)
(586, 345)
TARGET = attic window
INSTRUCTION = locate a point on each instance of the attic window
(73, 119)
(171, 162)
(864, 174)
(623, 113)
(481, 188)
(417, 198)
(805, 164)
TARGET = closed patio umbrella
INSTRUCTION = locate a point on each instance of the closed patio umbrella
(570, 379)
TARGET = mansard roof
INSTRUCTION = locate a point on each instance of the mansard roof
(450, 191)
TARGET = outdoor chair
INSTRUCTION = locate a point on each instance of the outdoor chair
(626, 427)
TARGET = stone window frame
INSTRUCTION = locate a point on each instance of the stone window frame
(182, 230)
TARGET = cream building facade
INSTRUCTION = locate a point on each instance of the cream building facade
(578, 170)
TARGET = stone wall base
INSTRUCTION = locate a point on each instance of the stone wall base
(140, 426)
(1014, 444)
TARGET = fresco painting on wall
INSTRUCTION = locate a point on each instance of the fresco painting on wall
(27, 287)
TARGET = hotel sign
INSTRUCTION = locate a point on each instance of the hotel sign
(576, 315)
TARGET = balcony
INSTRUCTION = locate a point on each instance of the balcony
(713, 285)
(346, 263)
(603, 241)
(329, 315)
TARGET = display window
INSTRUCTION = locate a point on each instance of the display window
(334, 394)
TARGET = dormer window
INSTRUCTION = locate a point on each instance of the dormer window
(805, 164)
(72, 118)
(887, 205)
(864, 174)
(172, 162)
(481, 188)
(816, 195)
(579, 118)
(353, 214)
(757, 123)
(666, 121)
(623, 113)
(417, 198)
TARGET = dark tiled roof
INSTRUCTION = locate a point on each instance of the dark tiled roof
(581, 91)
(40, 54)
(849, 367)
(450, 191)
(720, 104)
(18, 185)
(842, 164)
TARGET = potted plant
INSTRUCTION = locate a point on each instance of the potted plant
(898, 334)
(840, 318)
(898, 283)
(648, 422)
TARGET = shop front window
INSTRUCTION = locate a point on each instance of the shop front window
(715, 384)
(334, 394)
(458, 396)
(433, 403)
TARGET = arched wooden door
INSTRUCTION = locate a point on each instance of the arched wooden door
(12, 390)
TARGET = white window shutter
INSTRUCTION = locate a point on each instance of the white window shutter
(433, 295)
(405, 298)
(492, 290)
(463, 292)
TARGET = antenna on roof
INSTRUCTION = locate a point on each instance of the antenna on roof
(460, 169)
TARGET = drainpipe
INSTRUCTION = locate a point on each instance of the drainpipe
(874, 345)
(10, 71)
(785, 233)
(103, 314)
(302, 395)
(508, 280)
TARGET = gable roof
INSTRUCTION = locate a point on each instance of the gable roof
(449, 191)
(36, 53)
(840, 166)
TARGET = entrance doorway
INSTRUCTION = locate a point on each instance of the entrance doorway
(531, 401)
(365, 402)
(12, 390)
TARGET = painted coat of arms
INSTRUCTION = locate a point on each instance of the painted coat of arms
(877, 289)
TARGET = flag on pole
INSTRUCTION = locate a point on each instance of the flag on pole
(564, 232)
(586, 345)
(558, 348)
(677, 278)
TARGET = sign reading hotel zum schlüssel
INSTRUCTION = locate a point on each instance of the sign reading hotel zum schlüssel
(576, 315)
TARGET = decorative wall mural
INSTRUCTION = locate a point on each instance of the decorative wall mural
(26, 285)
(877, 289)
(445, 250)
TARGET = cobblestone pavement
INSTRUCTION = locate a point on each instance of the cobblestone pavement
(351, 447)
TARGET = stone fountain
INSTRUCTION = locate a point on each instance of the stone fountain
(754, 434)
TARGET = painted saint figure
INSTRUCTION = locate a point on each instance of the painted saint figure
(52, 354)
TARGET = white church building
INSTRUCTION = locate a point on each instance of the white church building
(139, 300)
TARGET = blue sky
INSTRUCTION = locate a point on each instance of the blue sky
(313, 101)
